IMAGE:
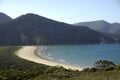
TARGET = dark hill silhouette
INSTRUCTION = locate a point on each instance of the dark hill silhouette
(32, 29)
(4, 17)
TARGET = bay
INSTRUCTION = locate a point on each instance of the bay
(80, 55)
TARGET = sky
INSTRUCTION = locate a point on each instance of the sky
(68, 11)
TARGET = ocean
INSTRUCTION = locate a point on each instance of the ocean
(80, 55)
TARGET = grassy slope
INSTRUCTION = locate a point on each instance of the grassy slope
(15, 68)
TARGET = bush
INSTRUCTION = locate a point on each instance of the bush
(93, 69)
(117, 67)
(63, 76)
(86, 69)
(109, 68)
(102, 64)
(90, 70)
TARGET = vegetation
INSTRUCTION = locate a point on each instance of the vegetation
(15, 68)
(32, 29)
(101, 64)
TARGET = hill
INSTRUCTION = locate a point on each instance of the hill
(101, 26)
(32, 29)
(4, 17)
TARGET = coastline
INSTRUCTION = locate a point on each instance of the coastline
(28, 53)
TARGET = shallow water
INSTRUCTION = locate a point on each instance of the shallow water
(81, 55)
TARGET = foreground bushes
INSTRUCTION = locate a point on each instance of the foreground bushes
(15, 68)
(103, 65)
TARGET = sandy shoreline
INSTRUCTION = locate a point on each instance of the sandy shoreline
(27, 52)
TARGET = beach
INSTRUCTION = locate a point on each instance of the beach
(28, 53)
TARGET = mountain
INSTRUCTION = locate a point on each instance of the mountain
(101, 26)
(4, 17)
(32, 29)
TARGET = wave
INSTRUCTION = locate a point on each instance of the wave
(50, 58)
(62, 60)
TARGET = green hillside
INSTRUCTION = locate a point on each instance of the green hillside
(15, 68)
(32, 29)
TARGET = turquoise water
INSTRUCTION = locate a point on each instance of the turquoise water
(81, 55)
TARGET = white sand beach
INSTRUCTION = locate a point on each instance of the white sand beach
(27, 52)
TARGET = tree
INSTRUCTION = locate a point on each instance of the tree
(102, 64)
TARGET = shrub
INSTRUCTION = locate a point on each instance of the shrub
(101, 64)
(117, 67)
(90, 70)
(86, 69)
(93, 69)
(109, 68)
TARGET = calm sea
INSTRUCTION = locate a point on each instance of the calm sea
(81, 55)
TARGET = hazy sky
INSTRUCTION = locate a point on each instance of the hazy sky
(69, 11)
